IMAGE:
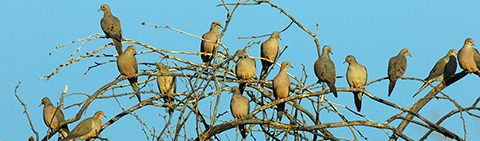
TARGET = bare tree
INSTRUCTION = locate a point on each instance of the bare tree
(205, 83)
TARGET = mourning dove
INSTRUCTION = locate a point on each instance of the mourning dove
(166, 84)
(269, 51)
(209, 46)
(52, 116)
(469, 58)
(396, 67)
(239, 107)
(245, 69)
(127, 65)
(325, 69)
(87, 128)
(443, 69)
(356, 78)
(281, 88)
(111, 27)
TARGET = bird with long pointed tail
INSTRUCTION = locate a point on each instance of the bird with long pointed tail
(87, 128)
(396, 68)
(325, 69)
(239, 107)
(111, 27)
(269, 51)
(442, 71)
(469, 58)
(245, 69)
(53, 116)
(167, 85)
(281, 88)
(127, 65)
(209, 46)
(356, 78)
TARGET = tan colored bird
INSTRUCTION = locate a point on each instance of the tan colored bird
(356, 78)
(239, 107)
(87, 128)
(111, 27)
(442, 71)
(269, 51)
(325, 69)
(281, 88)
(167, 84)
(396, 68)
(52, 116)
(209, 46)
(469, 58)
(245, 68)
(127, 65)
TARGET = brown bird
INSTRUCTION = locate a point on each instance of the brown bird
(111, 27)
(469, 58)
(127, 65)
(396, 68)
(239, 107)
(209, 46)
(269, 51)
(281, 88)
(52, 116)
(325, 69)
(87, 128)
(356, 78)
(167, 84)
(245, 68)
(442, 71)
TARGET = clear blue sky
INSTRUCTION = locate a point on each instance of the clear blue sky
(371, 31)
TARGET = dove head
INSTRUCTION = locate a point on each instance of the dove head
(349, 59)
(326, 50)
(215, 25)
(234, 90)
(276, 35)
(130, 48)
(452, 52)
(161, 66)
(469, 41)
(241, 53)
(405, 52)
(99, 115)
(105, 8)
(285, 65)
(45, 101)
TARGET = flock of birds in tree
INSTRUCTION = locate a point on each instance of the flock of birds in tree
(245, 70)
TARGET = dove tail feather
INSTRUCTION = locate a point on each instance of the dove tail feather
(242, 87)
(280, 110)
(391, 86)
(243, 131)
(263, 73)
(118, 45)
(333, 89)
(357, 96)
(134, 84)
(421, 89)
